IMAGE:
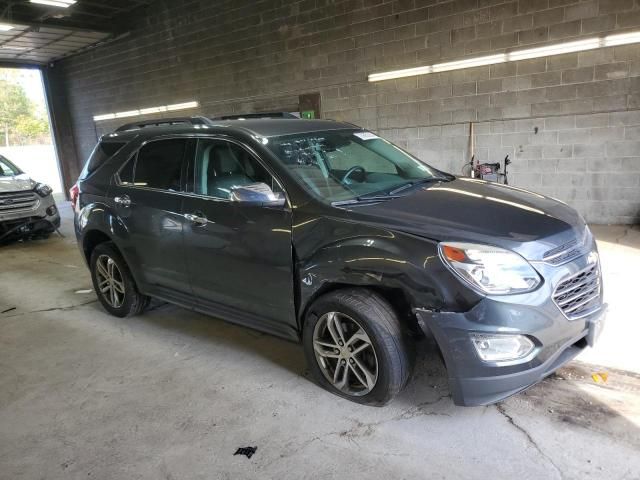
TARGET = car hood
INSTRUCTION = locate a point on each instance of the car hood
(484, 212)
(18, 183)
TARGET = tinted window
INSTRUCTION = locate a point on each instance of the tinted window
(102, 152)
(126, 173)
(158, 165)
(220, 166)
(8, 169)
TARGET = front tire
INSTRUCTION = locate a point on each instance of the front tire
(356, 348)
(114, 284)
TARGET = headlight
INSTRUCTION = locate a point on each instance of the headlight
(43, 190)
(491, 270)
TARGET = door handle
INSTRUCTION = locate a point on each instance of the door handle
(123, 201)
(199, 220)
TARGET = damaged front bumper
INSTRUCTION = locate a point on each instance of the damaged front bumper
(43, 218)
(475, 382)
(557, 339)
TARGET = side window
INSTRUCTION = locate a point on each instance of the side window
(157, 165)
(220, 166)
(101, 153)
(126, 173)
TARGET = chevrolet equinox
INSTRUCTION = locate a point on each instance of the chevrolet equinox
(325, 233)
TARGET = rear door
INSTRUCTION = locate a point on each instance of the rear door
(147, 196)
(239, 256)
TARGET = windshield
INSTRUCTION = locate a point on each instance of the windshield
(341, 165)
(8, 169)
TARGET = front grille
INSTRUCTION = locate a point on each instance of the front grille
(16, 202)
(579, 295)
(563, 253)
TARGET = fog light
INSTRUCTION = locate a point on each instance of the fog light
(502, 348)
(52, 210)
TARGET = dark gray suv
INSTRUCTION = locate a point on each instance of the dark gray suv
(327, 234)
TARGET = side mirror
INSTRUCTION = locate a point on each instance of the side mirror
(257, 194)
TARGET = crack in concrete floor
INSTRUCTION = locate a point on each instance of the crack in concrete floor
(500, 408)
(52, 309)
(365, 429)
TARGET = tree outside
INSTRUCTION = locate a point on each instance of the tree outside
(24, 125)
(22, 121)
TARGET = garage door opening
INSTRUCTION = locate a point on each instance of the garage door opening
(25, 131)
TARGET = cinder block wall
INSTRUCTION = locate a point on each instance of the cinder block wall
(570, 123)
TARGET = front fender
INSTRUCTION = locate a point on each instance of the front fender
(333, 251)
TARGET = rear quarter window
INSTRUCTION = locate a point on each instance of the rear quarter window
(101, 153)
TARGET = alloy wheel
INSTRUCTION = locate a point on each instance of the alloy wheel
(110, 281)
(345, 354)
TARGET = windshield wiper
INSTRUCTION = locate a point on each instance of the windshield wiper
(407, 185)
(377, 197)
(364, 199)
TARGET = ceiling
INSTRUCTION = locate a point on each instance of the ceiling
(42, 34)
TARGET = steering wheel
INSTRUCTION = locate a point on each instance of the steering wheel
(351, 171)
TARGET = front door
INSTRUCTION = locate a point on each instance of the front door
(148, 199)
(239, 256)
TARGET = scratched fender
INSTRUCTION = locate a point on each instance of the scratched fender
(332, 251)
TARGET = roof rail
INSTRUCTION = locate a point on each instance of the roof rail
(164, 121)
(242, 116)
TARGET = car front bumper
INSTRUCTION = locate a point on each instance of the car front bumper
(558, 339)
(44, 217)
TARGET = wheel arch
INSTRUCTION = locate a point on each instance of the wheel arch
(91, 239)
(397, 298)
(388, 264)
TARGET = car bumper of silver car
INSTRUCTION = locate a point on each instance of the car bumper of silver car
(39, 216)
(557, 337)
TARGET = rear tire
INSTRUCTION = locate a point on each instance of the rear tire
(337, 329)
(114, 284)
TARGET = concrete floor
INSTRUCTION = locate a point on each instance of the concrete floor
(172, 394)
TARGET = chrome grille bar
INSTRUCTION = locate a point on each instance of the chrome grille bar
(563, 289)
(579, 294)
(583, 302)
(559, 251)
(18, 201)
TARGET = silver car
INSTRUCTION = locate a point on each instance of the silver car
(27, 208)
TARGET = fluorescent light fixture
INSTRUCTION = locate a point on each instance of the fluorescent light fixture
(5, 27)
(621, 39)
(108, 116)
(559, 49)
(523, 54)
(471, 62)
(152, 110)
(407, 72)
(147, 111)
(55, 3)
(130, 113)
(182, 106)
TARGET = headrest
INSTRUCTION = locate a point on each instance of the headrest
(225, 160)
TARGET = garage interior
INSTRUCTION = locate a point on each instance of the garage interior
(172, 393)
